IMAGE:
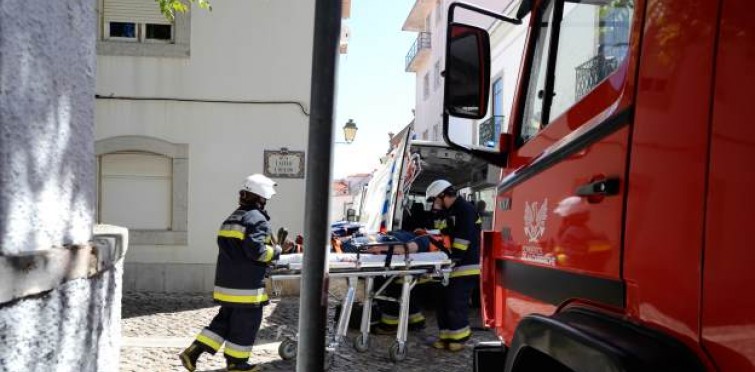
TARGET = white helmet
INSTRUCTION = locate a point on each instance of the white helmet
(437, 187)
(260, 185)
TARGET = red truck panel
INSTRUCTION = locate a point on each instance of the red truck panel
(667, 180)
(728, 297)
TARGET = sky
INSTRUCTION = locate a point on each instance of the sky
(373, 88)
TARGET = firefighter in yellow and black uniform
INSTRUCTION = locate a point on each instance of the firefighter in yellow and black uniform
(245, 249)
(460, 224)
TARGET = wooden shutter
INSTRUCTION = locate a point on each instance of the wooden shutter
(138, 11)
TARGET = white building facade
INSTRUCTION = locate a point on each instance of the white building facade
(425, 58)
(185, 111)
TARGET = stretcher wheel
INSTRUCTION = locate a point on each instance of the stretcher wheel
(397, 353)
(287, 349)
(362, 343)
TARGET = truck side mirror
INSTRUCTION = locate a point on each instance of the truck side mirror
(467, 73)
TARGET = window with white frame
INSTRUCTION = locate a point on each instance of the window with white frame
(135, 21)
(426, 86)
(138, 28)
(135, 190)
(142, 184)
(436, 76)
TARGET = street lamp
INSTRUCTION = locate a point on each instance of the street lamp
(349, 131)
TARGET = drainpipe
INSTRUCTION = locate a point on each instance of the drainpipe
(314, 282)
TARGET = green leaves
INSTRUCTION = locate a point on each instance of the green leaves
(169, 7)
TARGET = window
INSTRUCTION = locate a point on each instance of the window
(532, 120)
(122, 30)
(497, 108)
(490, 129)
(593, 40)
(436, 132)
(142, 184)
(135, 20)
(428, 22)
(135, 190)
(138, 28)
(426, 86)
(424, 135)
(436, 75)
(158, 32)
(438, 12)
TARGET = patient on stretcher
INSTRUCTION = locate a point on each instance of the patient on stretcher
(402, 242)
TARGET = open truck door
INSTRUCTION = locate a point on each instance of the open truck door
(552, 266)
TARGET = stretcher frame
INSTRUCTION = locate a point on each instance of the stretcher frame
(410, 273)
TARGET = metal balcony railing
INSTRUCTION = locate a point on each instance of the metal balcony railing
(592, 72)
(422, 43)
(490, 130)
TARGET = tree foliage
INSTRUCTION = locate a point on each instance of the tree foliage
(170, 7)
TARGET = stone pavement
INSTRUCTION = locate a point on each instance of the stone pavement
(157, 326)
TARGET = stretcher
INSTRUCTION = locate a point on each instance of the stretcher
(407, 269)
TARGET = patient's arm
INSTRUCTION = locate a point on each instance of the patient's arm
(398, 248)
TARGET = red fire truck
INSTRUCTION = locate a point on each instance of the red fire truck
(621, 235)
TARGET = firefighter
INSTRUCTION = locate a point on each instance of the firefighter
(459, 222)
(245, 250)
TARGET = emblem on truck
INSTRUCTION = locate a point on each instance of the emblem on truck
(534, 220)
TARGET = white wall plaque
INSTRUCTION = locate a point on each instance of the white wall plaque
(284, 163)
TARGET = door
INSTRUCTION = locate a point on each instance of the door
(560, 204)
(728, 305)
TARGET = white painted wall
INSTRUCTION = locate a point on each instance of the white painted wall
(338, 206)
(242, 50)
(507, 48)
(428, 112)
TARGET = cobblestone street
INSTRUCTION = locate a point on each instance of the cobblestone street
(157, 326)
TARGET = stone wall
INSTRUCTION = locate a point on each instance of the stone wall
(47, 65)
(74, 327)
(60, 287)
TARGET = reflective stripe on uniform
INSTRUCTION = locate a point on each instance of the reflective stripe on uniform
(416, 318)
(210, 339)
(268, 256)
(388, 319)
(465, 270)
(237, 351)
(440, 224)
(455, 335)
(241, 296)
(461, 244)
(232, 230)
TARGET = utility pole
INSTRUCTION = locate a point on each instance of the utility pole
(313, 304)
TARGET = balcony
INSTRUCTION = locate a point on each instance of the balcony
(490, 131)
(419, 53)
(592, 72)
(415, 21)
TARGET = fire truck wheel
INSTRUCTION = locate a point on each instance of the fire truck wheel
(287, 349)
(362, 343)
(397, 353)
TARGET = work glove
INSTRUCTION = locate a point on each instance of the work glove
(277, 250)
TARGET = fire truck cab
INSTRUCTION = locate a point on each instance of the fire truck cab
(621, 227)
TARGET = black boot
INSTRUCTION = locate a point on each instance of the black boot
(190, 355)
(242, 367)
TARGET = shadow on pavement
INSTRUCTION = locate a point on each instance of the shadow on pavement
(135, 304)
